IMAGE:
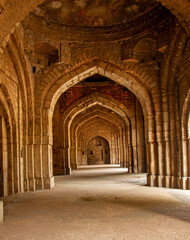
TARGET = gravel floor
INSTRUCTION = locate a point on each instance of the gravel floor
(102, 204)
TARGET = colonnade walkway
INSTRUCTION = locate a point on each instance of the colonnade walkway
(102, 203)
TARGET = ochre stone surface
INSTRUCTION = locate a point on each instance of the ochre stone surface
(137, 97)
(1, 212)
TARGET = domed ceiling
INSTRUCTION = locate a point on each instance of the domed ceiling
(96, 13)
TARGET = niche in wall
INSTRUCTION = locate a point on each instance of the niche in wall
(98, 151)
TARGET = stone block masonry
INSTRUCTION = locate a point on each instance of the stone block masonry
(1, 212)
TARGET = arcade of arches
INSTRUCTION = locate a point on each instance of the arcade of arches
(94, 82)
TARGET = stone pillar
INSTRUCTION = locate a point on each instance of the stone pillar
(124, 150)
(15, 167)
(26, 180)
(168, 164)
(166, 140)
(1, 160)
(185, 177)
(72, 164)
(38, 167)
(1, 212)
(173, 138)
(134, 151)
(130, 157)
(126, 156)
(140, 137)
(160, 165)
(47, 166)
(10, 168)
(152, 164)
(135, 159)
(117, 154)
(5, 157)
(30, 157)
(121, 153)
(61, 159)
(64, 159)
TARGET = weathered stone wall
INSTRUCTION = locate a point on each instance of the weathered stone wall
(98, 151)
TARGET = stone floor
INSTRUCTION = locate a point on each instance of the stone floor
(102, 204)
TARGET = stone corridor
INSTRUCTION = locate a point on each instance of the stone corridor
(97, 83)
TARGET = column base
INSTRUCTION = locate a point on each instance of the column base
(49, 183)
(39, 184)
(168, 181)
(26, 185)
(152, 180)
(74, 165)
(64, 171)
(135, 169)
(161, 181)
(68, 171)
(174, 182)
(32, 184)
(185, 183)
(179, 179)
(171, 182)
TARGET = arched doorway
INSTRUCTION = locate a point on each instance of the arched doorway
(89, 110)
(98, 151)
(54, 93)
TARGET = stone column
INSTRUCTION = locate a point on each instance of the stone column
(124, 149)
(166, 140)
(173, 138)
(30, 157)
(10, 167)
(152, 154)
(26, 180)
(153, 164)
(130, 156)
(72, 159)
(5, 158)
(135, 159)
(160, 164)
(126, 156)
(185, 173)
(65, 160)
(121, 152)
(168, 164)
(1, 212)
(47, 166)
(117, 153)
(1, 160)
(140, 137)
(45, 150)
(15, 167)
(135, 155)
(38, 166)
